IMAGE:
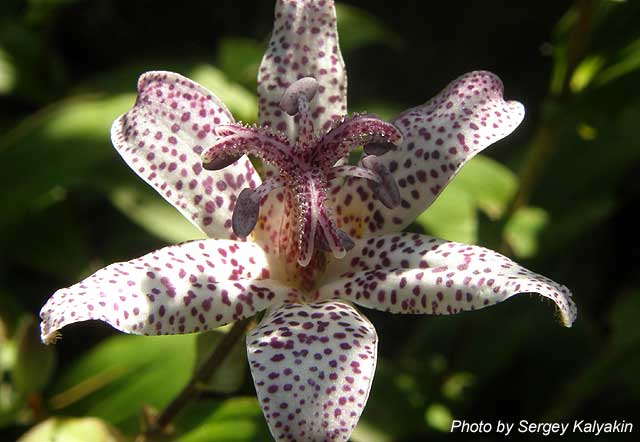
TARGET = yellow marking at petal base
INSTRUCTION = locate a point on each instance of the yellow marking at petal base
(354, 224)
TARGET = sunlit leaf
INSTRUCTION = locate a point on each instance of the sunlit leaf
(57, 147)
(585, 72)
(452, 216)
(482, 184)
(7, 72)
(143, 206)
(88, 429)
(234, 420)
(122, 374)
(523, 229)
(491, 184)
(239, 59)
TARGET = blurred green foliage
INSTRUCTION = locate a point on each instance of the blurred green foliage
(560, 194)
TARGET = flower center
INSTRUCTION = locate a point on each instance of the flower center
(306, 165)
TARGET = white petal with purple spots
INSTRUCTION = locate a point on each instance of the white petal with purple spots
(312, 366)
(161, 139)
(411, 273)
(186, 288)
(438, 138)
(304, 43)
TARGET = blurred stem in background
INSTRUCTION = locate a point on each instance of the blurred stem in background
(157, 425)
(545, 138)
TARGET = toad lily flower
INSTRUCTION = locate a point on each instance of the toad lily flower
(313, 238)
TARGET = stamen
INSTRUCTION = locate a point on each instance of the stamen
(221, 162)
(354, 171)
(386, 190)
(245, 213)
(345, 242)
(237, 140)
(379, 148)
(305, 87)
(352, 132)
(295, 101)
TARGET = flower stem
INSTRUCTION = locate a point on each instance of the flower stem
(157, 426)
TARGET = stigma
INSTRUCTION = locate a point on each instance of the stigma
(306, 165)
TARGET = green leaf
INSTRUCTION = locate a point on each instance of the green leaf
(491, 184)
(358, 28)
(394, 385)
(56, 148)
(626, 60)
(38, 245)
(10, 311)
(452, 216)
(143, 206)
(234, 420)
(522, 231)
(482, 184)
(239, 58)
(65, 144)
(88, 429)
(10, 401)
(7, 73)
(242, 103)
(230, 376)
(34, 361)
(122, 374)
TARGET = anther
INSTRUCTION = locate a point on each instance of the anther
(221, 162)
(245, 214)
(386, 190)
(346, 241)
(378, 148)
(305, 87)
